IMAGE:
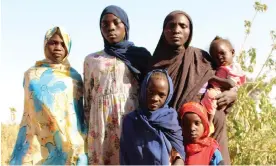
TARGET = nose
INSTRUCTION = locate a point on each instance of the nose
(58, 47)
(111, 27)
(154, 98)
(176, 29)
(193, 127)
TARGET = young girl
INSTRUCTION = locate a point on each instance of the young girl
(200, 149)
(111, 78)
(151, 133)
(228, 75)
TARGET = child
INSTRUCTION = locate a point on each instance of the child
(200, 149)
(228, 75)
(152, 133)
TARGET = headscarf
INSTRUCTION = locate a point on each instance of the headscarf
(135, 58)
(66, 39)
(190, 68)
(200, 152)
(148, 135)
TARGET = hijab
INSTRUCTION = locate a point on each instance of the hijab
(189, 67)
(135, 58)
(148, 135)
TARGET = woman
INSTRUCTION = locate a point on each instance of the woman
(52, 131)
(190, 69)
(111, 79)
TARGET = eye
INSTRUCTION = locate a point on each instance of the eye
(104, 24)
(197, 123)
(117, 22)
(172, 26)
(183, 26)
(162, 95)
(149, 92)
(51, 42)
(63, 44)
(221, 53)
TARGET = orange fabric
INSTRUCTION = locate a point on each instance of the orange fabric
(200, 152)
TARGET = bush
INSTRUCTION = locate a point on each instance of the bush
(252, 123)
(8, 138)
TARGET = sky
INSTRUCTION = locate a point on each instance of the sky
(24, 24)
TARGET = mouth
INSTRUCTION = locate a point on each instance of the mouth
(193, 136)
(153, 106)
(222, 62)
(176, 37)
(57, 54)
(111, 36)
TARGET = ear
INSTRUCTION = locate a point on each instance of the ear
(233, 52)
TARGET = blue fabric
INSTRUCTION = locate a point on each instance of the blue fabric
(148, 136)
(21, 147)
(44, 91)
(56, 155)
(217, 158)
(135, 58)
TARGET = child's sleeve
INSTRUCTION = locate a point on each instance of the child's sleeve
(217, 158)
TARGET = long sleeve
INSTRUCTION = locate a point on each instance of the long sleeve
(24, 149)
(88, 85)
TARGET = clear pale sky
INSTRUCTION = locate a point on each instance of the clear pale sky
(24, 23)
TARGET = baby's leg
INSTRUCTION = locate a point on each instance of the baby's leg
(210, 103)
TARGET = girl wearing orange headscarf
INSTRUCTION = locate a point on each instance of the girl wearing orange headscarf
(199, 147)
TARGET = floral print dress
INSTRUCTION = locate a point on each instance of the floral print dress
(110, 93)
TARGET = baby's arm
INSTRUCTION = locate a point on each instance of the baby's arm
(223, 82)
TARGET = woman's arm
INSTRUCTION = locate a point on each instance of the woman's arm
(226, 98)
(88, 86)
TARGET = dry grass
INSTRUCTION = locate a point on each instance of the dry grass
(8, 138)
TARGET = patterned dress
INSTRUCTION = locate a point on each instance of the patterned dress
(110, 93)
(52, 130)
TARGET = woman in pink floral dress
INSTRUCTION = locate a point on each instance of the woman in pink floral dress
(111, 79)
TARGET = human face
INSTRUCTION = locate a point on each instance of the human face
(177, 30)
(157, 93)
(112, 28)
(55, 49)
(192, 126)
(222, 53)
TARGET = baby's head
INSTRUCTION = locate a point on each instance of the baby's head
(222, 51)
(156, 90)
(194, 122)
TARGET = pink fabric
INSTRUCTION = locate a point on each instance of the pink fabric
(233, 72)
(209, 100)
